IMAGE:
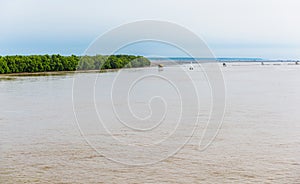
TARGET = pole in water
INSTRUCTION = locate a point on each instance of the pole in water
(191, 66)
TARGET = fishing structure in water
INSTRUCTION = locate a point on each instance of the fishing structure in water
(191, 66)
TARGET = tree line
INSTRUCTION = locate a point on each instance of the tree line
(56, 62)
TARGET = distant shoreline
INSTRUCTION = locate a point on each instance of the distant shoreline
(221, 59)
(49, 73)
(53, 73)
(56, 62)
(153, 64)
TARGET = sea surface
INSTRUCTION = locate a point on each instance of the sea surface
(146, 125)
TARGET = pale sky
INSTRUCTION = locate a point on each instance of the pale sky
(232, 28)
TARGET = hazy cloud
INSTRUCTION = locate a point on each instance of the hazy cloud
(231, 27)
